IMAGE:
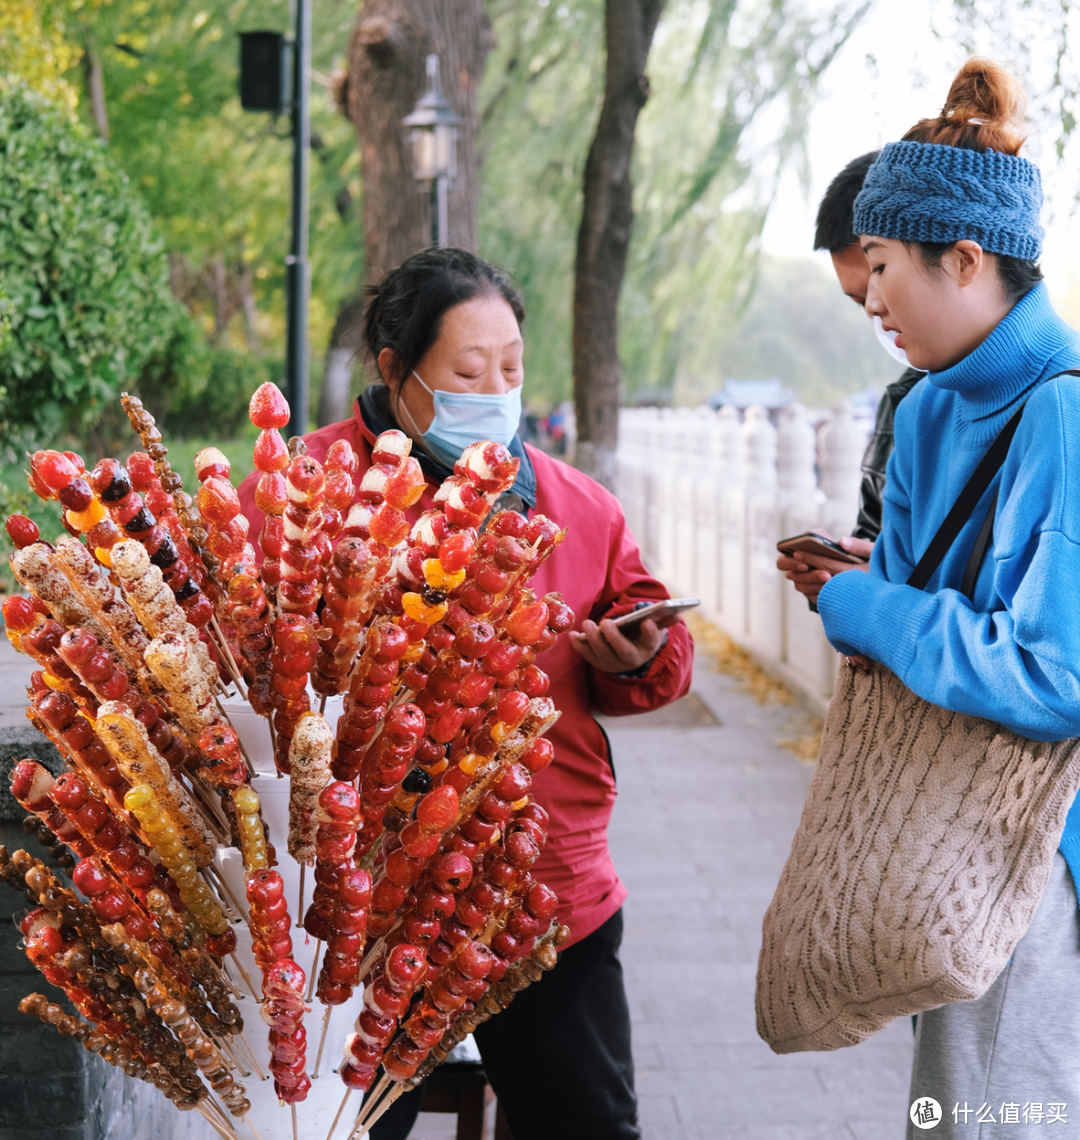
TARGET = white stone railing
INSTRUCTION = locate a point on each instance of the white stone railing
(707, 495)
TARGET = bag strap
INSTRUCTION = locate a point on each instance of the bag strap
(967, 501)
(978, 551)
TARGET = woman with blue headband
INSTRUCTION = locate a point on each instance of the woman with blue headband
(949, 221)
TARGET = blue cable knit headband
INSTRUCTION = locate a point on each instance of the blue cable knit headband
(927, 192)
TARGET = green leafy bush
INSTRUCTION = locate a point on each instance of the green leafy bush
(85, 275)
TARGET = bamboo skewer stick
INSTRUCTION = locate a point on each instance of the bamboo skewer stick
(212, 1121)
(368, 1107)
(322, 705)
(230, 662)
(314, 968)
(250, 985)
(250, 1053)
(251, 1124)
(237, 904)
(383, 1106)
(300, 909)
(341, 1109)
(293, 1107)
(215, 889)
(322, 1041)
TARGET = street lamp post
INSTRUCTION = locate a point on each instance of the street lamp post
(433, 133)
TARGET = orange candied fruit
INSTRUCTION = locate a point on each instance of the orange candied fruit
(83, 521)
(416, 608)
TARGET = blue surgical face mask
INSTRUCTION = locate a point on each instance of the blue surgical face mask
(462, 418)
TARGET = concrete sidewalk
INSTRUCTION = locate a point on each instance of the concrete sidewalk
(702, 827)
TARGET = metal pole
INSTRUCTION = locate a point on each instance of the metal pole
(442, 219)
(298, 275)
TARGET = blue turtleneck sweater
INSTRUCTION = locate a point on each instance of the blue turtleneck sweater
(1011, 655)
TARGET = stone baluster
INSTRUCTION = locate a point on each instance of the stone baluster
(764, 596)
(843, 443)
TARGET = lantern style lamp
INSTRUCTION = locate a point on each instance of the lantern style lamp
(433, 131)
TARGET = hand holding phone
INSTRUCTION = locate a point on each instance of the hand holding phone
(630, 623)
(812, 542)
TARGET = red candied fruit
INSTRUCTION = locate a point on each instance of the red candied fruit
(271, 454)
(21, 530)
(268, 407)
(19, 612)
(54, 469)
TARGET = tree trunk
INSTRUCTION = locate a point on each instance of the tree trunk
(95, 85)
(389, 45)
(345, 343)
(604, 237)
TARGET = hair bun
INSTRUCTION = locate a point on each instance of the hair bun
(985, 110)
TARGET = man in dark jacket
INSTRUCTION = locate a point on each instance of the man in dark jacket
(835, 233)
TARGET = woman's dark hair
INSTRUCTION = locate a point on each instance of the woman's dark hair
(405, 310)
(1018, 276)
(984, 111)
(836, 215)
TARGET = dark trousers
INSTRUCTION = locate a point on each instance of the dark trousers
(558, 1057)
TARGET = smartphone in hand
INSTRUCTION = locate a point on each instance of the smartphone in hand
(810, 542)
(630, 623)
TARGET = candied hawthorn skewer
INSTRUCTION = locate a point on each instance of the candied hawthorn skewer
(95, 1041)
(143, 802)
(270, 921)
(295, 647)
(309, 765)
(370, 692)
(39, 638)
(283, 1010)
(141, 763)
(385, 1000)
(36, 570)
(142, 422)
(268, 411)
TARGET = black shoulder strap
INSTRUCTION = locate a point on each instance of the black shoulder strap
(967, 501)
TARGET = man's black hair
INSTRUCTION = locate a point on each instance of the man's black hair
(836, 214)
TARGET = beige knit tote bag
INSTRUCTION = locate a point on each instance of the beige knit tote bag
(924, 847)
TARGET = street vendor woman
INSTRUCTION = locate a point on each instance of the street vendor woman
(444, 333)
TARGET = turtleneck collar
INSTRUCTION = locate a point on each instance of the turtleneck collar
(1011, 360)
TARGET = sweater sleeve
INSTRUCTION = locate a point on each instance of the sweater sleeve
(1015, 665)
(668, 676)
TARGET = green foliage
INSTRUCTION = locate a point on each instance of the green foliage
(728, 79)
(800, 328)
(217, 179)
(85, 275)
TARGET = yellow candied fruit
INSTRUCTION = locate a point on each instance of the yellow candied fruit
(517, 805)
(54, 682)
(103, 556)
(138, 798)
(438, 578)
(499, 732)
(435, 769)
(414, 651)
(14, 638)
(416, 608)
(246, 800)
(83, 521)
(470, 762)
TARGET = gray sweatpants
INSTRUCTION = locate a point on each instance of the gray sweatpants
(1008, 1065)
